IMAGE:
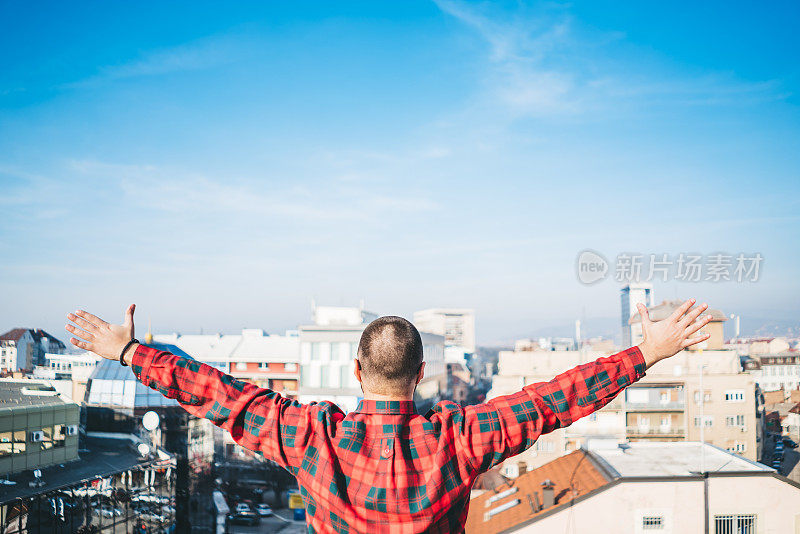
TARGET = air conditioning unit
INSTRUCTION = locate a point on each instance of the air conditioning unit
(36, 436)
(72, 430)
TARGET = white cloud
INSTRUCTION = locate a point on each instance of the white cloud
(541, 63)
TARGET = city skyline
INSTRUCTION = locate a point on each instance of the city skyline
(221, 170)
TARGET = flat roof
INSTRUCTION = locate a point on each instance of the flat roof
(669, 459)
(15, 393)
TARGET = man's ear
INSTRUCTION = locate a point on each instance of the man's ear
(357, 369)
(421, 372)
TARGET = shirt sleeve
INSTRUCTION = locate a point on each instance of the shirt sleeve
(507, 425)
(258, 419)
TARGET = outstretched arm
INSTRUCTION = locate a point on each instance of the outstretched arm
(257, 418)
(507, 425)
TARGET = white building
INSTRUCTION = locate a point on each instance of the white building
(630, 296)
(24, 348)
(68, 373)
(328, 349)
(457, 325)
(642, 487)
(270, 361)
(776, 371)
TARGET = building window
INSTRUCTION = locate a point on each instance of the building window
(315, 351)
(735, 524)
(59, 436)
(652, 522)
(734, 420)
(734, 395)
(6, 443)
(263, 366)
(20, 442)
(738, 447)
(241, 366)
(290, 367)
(545, 446)
(709, 420)
(47, 438)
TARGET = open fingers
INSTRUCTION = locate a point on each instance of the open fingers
(95, 320)
(689, 341)
(693, 314)
(83, 323)
(677, 314)
(697, 325)
(82, 344)
(88, 336)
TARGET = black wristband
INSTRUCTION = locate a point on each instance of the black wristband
(122, 354)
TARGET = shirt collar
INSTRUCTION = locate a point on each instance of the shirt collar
(393, 407)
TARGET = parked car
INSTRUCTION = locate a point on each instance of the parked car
(108, 511)
(244, 518)
(243, 508)
(152, 517)
(264, 510)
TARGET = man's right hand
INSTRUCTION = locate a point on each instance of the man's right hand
(666, 338)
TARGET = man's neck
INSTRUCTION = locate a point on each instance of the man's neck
(368, 395)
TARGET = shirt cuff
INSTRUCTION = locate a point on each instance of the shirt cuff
(635, 359)
(141, 361)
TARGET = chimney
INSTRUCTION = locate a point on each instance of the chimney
(522, 467)
(548, 494)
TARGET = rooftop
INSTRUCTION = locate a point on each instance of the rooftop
(669, 459)
(573, 475)
(114, 385)
(16, 393)
(37, 333)
(507, 506)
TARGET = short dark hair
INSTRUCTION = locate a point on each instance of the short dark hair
(390, 352)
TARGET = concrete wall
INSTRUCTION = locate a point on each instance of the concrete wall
(17, 424)
(620, 508)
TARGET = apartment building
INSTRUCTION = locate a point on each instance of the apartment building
(636, 488)
(269, 361)
(328, 349)
(37, 427)
(457, 325)
(775, 371)
(21, 349)
(673, 402)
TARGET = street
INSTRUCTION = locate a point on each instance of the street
(279, 522)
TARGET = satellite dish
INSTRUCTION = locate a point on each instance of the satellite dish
(143, 448)
(150, 420)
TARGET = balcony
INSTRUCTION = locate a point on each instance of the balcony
(655, 432)
(655, 406)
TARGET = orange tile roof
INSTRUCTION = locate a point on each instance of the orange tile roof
(573, 475)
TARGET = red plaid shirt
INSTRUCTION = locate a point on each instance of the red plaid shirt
(384, 467)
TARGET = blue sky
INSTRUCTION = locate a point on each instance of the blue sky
(222, 166)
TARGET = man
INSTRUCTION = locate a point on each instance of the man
(384, 467)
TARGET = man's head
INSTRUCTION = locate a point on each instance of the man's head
(390, 357)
